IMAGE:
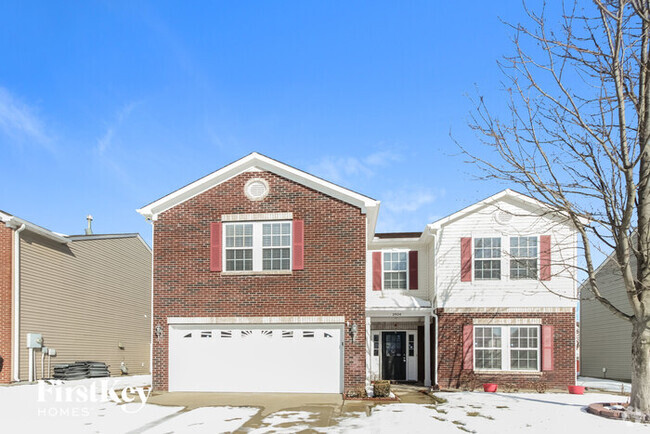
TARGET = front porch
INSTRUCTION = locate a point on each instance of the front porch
(400, 339)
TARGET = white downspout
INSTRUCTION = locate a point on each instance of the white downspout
(16, 281)
(151, 313)
(435, 359)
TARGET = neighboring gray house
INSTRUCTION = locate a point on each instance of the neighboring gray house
(605, 340)
(89, 296)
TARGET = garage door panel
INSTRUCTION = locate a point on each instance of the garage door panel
(256, 358)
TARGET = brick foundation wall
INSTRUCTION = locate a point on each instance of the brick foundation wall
(6, 304)
(450, 364)
(331, 284)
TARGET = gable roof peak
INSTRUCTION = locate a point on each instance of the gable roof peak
(257, 161)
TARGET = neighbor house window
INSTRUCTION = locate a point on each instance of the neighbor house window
(506, 348)
(395, 266)
(257, 246)
(523, 258)
(487, 258)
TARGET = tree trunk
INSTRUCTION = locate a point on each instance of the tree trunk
(640, 396)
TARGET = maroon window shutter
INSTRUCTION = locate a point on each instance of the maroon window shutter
(298, 244)
(466, 259)
(413, 269)
(547, 348)
(545, 257)
(215, 246)
(376, 271)
(468, 347)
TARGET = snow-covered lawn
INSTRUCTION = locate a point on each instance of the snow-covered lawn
(493, 413)
(22, 410)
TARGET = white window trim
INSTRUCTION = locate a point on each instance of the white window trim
(257, 246)
(501, 274)
(408, 286)
(511, 258)
(505, 348)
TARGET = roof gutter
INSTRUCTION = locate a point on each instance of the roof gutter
(16, 281)
(16, 222)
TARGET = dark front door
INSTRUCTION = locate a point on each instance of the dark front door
(393, 356)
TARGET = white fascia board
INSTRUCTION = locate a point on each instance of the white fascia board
(14, 222)
(257, 162)
(490, 200)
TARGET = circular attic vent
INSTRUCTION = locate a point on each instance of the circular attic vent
(503, 217)
(256, 189)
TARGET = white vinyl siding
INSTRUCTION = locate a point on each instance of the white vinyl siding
(506, 292)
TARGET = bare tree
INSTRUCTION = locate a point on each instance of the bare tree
(577, 137)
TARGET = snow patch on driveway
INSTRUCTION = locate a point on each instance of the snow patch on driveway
(206, 420)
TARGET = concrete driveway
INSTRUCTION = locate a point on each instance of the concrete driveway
(276, 411)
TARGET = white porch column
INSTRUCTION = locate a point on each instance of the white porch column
(368, 352)
(427, 350)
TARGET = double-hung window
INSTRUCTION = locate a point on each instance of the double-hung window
(395, 270)
(276, 246)
(524, 348)
(523, 258)
(507, 348)
(488, 351)
(239, 247)
(257, 246)
(487, 258)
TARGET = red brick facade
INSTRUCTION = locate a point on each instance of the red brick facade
(450, 364)
(331, 284)
(5, 303)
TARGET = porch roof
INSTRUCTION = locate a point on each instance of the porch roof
(383, 301)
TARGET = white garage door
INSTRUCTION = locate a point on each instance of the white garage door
(259, 358)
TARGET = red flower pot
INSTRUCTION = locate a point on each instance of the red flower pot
(577, 390)
(489, 387)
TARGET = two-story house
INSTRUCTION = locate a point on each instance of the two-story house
(269, 279)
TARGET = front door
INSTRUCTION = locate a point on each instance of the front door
(393, 356)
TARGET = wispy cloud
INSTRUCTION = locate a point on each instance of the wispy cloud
(107, 148)
(20, 122)
(408, 209)
(337, 169)
(106, 140)
(407, 200)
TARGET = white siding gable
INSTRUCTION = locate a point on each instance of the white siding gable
(425, 267)
(524, 220)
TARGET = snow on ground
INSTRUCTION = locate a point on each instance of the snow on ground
(604, 384)
(76, 408)
(492, 413)
(286, 422)
(34, 408)
(206, 420)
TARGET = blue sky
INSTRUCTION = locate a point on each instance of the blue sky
(107, 106)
